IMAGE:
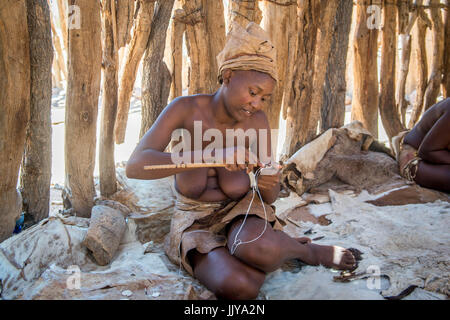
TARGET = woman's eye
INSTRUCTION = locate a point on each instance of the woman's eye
(252, 93)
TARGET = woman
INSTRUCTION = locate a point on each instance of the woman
(221, 233)
(423, 153)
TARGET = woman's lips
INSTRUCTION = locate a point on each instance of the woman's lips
(246, 112)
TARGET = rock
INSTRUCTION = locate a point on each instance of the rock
(343, 154)
(105, 232)
(152, 204)
(115, 205)
(127, 293)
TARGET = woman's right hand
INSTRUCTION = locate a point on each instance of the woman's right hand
(240, 158)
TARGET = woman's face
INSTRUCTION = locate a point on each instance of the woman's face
(246, 92)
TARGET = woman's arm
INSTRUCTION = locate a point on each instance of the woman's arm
(150, 150)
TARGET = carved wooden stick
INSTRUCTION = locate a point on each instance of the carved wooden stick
(185, 166)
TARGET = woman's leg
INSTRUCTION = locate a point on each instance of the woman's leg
(433, 176)
(226, 276)
(274, 248)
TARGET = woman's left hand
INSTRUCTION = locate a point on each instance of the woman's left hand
(269, 182)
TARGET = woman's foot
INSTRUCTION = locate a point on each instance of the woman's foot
(329, 256)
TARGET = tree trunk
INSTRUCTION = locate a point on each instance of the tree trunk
(59, 57)
(215, 25)
(109, 99)
(125, 17)
(388, 107)
(324, 42)
(365, 70)
(156, 76)
(277, 21)
(84, 60)
(406, 23)
(175, 53)
(422, 68)
(134, 52)
(15, 107)
(37, 160)
(298, 110)
(63, 17)
(434, 82)
(335, 86)
(205, 38)
(446, 68)
(243, 12)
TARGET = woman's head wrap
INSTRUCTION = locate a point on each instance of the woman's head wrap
(248, 49)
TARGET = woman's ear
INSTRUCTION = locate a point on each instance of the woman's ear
(226, 76)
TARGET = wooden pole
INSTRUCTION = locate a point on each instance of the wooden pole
(324, 42)
(14, 107)
(109, 99)
(406, 23)
(83, 88)
(175, 53)
(446, 68)
(335, 86)
(277, 21)
(299, 105)
(243, 12)
(37, 160)
(365, 69)
(133, 56)
(388, 107)
(421, 64)
(156, 76)
(435, 79)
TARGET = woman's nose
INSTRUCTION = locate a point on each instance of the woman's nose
(256, 103)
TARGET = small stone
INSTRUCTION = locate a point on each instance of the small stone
(127, 293)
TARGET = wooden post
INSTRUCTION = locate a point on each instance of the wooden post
(298, 110)
(446, 68)
(14, 107)
(365, 68)
(421, 64)
(435, 79)
(175, 53)
(333, 105)
(278, 22)
(125, 17)
(243, 12)
(134, 52)
(63, 19)
(109, 99)
(405, 24)
(324, 41)
(388, 107)
(37, 160)
(156, 76)
(59, 57)
(205, 38)
(83, 88)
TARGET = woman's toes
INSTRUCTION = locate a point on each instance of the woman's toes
(304, 240)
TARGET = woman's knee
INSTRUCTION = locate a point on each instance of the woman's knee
(239, 285)
(263, 253)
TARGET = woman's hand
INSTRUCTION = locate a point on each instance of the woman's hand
(269, 182)
(240, 158)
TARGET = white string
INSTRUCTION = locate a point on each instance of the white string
(238, 242)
